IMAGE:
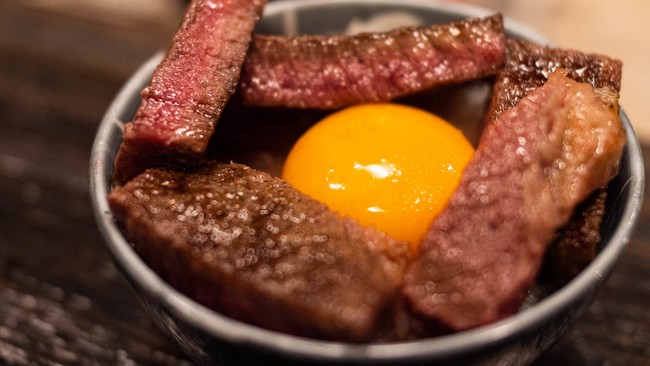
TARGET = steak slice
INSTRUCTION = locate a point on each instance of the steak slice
(329, 72)
(534, 164)
(575, 245)
(253, 248)
(190, 87)
(527, 67)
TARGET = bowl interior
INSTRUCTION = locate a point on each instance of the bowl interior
(304, 16)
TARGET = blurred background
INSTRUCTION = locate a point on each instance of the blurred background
(62, 61)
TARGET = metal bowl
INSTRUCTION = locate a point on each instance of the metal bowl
(211, 338)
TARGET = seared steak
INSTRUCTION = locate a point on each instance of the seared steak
(527, 67)
(333, 71)
(575, 245)
(190, 88)
(251, 247)
(533, 165)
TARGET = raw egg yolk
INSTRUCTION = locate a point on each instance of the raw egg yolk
(386, 165)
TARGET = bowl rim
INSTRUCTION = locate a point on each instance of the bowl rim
(236, 332)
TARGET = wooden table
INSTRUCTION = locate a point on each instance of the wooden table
(61, 298)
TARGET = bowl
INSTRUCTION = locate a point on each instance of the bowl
(211, 338)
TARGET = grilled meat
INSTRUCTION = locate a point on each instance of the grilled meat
(251, 247)
(534, 164)
(190, 88)
(329, 72)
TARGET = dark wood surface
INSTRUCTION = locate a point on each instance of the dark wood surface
(61, 299)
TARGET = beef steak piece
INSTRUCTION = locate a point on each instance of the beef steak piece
(576, 244)
(527, 67)
(329, 72)
(533, 165)
(253, 248)
(190, 87)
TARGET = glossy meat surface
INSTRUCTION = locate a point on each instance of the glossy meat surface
(252, 247)
(329, 72)
(534, 164)
(527, 67)
(190, 88)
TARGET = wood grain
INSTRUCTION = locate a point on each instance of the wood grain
(61, 299)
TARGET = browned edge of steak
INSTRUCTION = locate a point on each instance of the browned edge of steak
(250, 246)
(575, 245)
(329, 72)
(527, 66)
(190, 87)
(533, 166)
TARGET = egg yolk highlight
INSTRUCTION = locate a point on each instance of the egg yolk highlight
(386, 165)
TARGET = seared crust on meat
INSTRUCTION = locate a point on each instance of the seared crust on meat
(527, 67)
(329, 72)
(190, 87)
(253, 248)
(534, 164)
(576, 244)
